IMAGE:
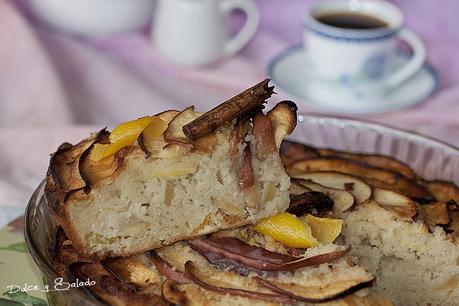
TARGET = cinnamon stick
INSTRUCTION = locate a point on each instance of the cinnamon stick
(245, 102)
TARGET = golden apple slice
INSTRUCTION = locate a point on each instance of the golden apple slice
(122, 136)
(288, 229)
(326, 230)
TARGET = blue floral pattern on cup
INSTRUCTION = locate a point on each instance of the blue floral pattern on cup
(373, 68)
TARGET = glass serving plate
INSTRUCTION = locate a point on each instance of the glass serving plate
(430, 158)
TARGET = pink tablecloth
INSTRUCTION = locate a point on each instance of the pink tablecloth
(53, 85)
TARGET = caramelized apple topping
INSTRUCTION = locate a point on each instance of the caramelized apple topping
(318, 294)
(174, 132)
(283, 120)
(237, 137)
(192, 273)
(292, 152)
(149, 141)
(359, 189)
(396, 202)
(310, 202)
(434, 214)
(453, 226)
(264, 135)
(343, 200)
(372, 175)
(296, 188)
(112, 288)
(172, 294)
(65, 163)
(165, 269)
(246, 175)
(94, 171)
(380, 161)
(443, 191)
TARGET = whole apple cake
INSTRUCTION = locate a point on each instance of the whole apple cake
(217, 208)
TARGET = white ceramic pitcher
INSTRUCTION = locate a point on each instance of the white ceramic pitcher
(195, 32)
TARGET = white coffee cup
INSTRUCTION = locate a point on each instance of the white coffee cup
(362, 58)
(195, 32)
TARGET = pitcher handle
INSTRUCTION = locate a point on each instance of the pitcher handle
(249, 28)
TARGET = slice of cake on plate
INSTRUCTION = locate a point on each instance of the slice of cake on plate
(172, 176)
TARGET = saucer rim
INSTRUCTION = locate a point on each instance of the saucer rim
(325, 106)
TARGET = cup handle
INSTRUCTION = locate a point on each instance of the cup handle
(248, 29)
(415, 63)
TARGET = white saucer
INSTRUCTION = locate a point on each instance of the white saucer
(289, 71)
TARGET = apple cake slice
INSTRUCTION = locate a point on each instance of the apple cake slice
(172, 176)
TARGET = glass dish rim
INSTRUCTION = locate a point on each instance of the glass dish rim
(48, 271)
(378, 127)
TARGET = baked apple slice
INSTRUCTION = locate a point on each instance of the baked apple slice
(343, 200)
(291, 152)
(297, 188)
(283, 118)
(151, 140)
(442, 191)
(375, 176)
(376, 160)
(323, 291)
(434, 214)
(174, 133)
(396, 202)
(360, 190)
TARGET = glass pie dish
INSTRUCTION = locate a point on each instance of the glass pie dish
(430, 159)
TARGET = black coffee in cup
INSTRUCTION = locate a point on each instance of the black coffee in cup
(350, 20)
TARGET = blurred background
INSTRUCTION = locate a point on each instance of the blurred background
(68, 69)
